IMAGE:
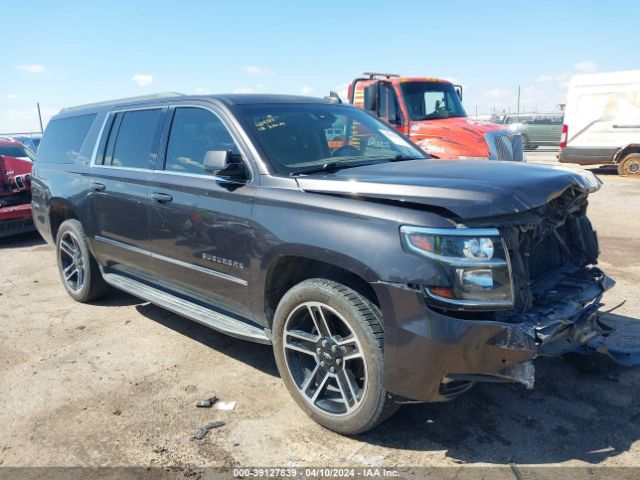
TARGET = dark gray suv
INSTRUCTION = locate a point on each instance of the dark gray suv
(379, 275)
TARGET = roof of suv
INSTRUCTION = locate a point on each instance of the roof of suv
(228, 99)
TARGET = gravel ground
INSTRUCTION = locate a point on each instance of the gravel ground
(115, 384)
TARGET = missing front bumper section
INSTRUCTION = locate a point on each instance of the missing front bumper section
(433, 356)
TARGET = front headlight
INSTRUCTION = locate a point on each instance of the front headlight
(473, 266)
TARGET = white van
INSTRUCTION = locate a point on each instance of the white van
(602, 121)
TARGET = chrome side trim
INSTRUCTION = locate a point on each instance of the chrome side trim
(94, 154)
(460, 232)
(126, 246)
(198, 268)
(180, 263)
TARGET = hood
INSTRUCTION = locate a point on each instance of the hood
(470, 189)
(16, 165)
(453, 137)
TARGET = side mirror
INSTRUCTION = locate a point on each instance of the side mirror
(220, 163)
(216, 160)
(371, 97)
(458, 89)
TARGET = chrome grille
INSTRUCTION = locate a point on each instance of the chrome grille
(505, 145)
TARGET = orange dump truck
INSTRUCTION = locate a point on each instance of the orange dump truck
(430, 112)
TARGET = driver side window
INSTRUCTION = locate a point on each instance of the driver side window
(194, 132)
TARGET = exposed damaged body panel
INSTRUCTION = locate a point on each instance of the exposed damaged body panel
(472, 190)
(558, 292)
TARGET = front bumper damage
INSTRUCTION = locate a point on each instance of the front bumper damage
(434, 356)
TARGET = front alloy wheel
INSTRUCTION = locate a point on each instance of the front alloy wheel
(328, 344)
(325, 358)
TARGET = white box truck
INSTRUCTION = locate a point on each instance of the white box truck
(602, 121)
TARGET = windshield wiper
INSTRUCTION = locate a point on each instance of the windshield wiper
(335, 166)
(329, 167)
(402, 158)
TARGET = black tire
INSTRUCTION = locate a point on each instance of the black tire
(629, 166)
(72, 254)
(364, 321)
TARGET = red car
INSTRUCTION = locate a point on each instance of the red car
(16, 161)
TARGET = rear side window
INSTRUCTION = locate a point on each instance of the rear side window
(194, 132)
(64, 138)
(134, 139)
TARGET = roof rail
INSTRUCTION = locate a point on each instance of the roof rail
(154, 96)
(372, 75)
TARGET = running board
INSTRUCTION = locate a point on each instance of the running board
(210, 318)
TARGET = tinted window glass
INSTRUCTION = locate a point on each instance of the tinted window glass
(63, 138)
(194, 132)
(16, 151)
(394, 110)
(137, 139)
(431, 100)
(294, 137)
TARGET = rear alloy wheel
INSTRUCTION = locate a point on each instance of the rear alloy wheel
(78, 269)
(328, 347)
(630, 165)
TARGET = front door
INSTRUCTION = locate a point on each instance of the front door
(201, 233)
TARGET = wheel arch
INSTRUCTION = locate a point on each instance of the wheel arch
(60, 210)
(283, 271)
(620, 154)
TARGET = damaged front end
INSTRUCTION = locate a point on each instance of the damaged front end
(548, 305)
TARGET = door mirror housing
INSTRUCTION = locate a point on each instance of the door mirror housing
(216, 160)
(372, 98)
(221, 163)
(458, 89)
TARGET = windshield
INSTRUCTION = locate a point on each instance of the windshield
(431, 100)
(17, 151)
(300, 137)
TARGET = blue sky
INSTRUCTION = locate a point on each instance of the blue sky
(67, 53)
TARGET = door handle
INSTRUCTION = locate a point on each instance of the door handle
(98, 187)
(161, 197)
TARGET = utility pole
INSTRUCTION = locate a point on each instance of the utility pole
(518, 112)
(40, 117)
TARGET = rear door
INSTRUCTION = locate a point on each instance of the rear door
(201, 232)
(120, 179)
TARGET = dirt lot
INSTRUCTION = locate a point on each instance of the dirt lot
(115, 384)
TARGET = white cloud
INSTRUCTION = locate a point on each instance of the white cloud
(202, 91)
(544, 78)
(142, 79)
(12, 96)
(498, 93)
(25, 120)
(245, 90)
(587, 66)
(307, 90)
(253, 70)
(31, 68)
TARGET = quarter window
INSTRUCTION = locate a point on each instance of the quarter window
(194, 132)
(64, 138)
(136, 136)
